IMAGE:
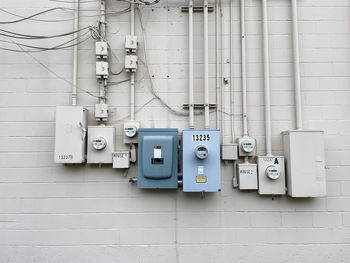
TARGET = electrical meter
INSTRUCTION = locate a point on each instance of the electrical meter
(272, 172)
(130, 130)
(99, 143)
(247, 146)
(201, 152)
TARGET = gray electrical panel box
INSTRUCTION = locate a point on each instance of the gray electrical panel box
(201, 161)
(271, 176)
(158, 158)
(70, 139)
(305, 163)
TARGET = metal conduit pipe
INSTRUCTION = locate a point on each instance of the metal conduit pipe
(206, 66)
(75, 53)
(217, 61)
(231, 73)
(222, 75)
(244, 70)
(132, 74)
(102, 84)
(190, 64)
(266, 78)
(299, 119)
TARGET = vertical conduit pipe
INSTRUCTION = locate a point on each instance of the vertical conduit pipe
(266, 78)
(244, 70)
(132, 74)
(206, 66)
(231, 73)
(190, 63)
(222, 74)
(102, 83)
(299, 119)
(217, 62)
(75, 53)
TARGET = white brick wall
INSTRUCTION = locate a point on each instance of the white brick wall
(54, 213)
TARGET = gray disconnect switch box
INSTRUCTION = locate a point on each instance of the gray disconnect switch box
(158, 158)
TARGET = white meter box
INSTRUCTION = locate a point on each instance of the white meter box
(121, 160)
(271, 175)
(100, 144)
(305, 163)
(201, 161)
(247, 176)
(70, 139)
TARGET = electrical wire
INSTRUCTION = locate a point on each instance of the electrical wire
(35, 37)
(70, 2)
(58, 47)
(140, 2)
(116, 12)
(54, 73)
(153, 90)
(31, 16)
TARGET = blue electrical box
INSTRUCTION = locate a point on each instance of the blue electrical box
(201, 161)
(157, 158)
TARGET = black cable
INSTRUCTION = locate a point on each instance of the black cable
(58, 47)
(31, 16)
(25, 36)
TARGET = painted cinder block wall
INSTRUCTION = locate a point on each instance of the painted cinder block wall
(84, 214)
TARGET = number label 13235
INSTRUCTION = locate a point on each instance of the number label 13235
(200, 137)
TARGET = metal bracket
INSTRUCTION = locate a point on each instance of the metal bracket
(197, 9)
(198, 106)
